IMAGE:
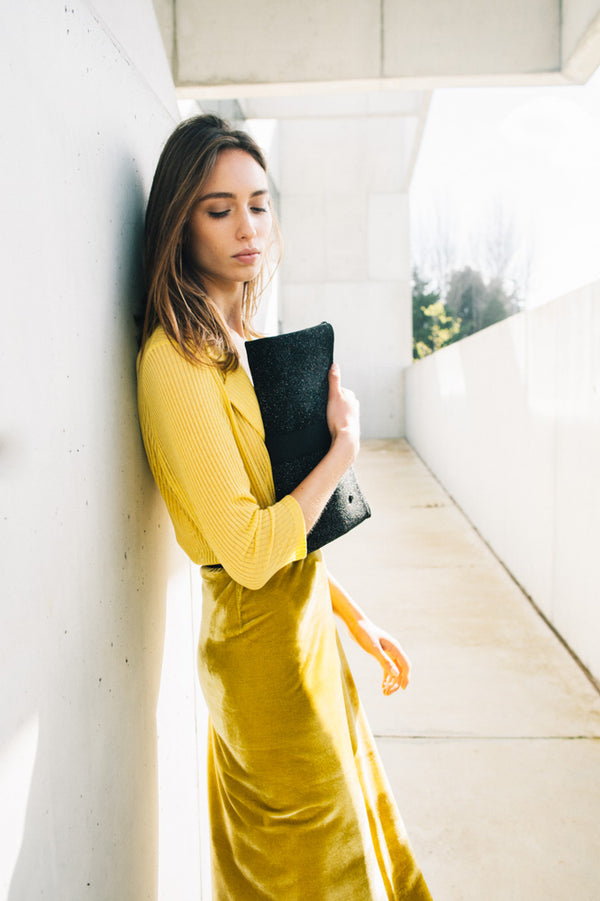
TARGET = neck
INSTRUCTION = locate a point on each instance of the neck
(229, 302)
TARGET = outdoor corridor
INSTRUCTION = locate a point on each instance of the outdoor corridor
(494, 750)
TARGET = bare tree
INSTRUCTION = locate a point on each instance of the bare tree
(505, 256)
(497, 249)
(435, 250)
(499, 242)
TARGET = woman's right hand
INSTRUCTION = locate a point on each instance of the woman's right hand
(314, 491)
(343, 418)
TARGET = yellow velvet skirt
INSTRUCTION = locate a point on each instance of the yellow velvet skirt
(300, 807)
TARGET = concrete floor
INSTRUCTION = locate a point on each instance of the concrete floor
(494, 750)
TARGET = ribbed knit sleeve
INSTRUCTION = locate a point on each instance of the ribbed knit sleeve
(188, 429)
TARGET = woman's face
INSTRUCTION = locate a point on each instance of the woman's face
(230, 224)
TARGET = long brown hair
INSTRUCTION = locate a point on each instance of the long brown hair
(176, 297)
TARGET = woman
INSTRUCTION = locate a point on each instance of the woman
(299, 805)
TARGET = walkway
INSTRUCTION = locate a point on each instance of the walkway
(494, 750)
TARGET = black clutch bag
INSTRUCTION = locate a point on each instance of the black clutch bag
(290, 374)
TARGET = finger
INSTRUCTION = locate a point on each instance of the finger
(389, 687)
(391, 684)
(396, 653)
(404, 670)
(393, 676)
(336, 392)
(396, 673)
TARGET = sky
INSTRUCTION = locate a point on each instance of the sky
(522, 161)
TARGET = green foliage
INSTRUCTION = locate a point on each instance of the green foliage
(444, 328)
(469, 305)
(421, 298)
(432, 327)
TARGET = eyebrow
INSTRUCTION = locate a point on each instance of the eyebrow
(228, 195)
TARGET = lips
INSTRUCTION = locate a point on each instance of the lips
(248, 255)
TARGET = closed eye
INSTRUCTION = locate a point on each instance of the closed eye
(220, 214)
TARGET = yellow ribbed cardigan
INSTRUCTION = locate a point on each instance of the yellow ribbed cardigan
(204, 439)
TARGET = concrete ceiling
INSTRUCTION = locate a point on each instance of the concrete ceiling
(226, 48)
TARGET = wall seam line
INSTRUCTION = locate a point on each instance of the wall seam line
(381, 37)
(561, 42)
(175, 43)
(114, 40)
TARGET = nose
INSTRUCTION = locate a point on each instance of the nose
(245, 226)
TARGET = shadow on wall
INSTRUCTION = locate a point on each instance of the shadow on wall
(96, 592)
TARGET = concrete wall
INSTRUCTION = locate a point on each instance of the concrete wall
(393, 43)
(509, 421)
(344, 211)
(87, 101)
(580, 40)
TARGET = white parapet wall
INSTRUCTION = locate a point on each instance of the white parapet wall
(87, 556)
(509, 421)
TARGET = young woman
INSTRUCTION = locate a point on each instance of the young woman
(299, 805)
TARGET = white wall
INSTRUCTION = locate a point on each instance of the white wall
(344, 216)
(370, 42)
(87, 101)
(509, 421)
(580, 41)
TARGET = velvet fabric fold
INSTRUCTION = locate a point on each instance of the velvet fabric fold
(300, 805)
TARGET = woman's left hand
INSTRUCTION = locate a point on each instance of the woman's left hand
(386, 650)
